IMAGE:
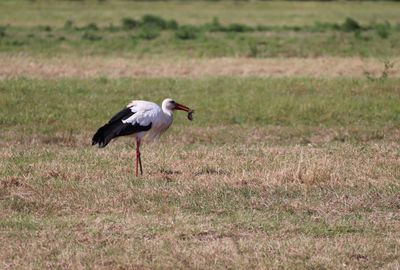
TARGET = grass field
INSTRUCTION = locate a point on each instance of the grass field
(55, 13)
(291, 162)
(228, 29)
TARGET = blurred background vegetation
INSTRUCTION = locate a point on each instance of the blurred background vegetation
(200, 29)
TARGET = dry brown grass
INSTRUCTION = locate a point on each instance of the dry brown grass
(114, 67)
(255, 204)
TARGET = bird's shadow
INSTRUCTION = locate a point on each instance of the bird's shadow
(211, 170)
(169, 172)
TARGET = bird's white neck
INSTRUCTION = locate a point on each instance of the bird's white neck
(167, 111)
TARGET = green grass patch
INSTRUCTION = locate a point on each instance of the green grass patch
(293, 13)
(73, 105)
(145, 37)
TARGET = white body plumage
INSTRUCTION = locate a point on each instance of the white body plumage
(146, 113)
(142, 119)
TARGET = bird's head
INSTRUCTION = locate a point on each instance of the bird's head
(171, 105)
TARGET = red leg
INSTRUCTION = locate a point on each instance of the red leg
(138, 159)
(140, 164)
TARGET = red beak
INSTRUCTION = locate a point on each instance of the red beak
(182, 107)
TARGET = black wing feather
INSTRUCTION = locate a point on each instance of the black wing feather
(115, 128)
(122, 115)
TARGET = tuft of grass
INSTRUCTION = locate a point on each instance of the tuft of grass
(387, 68)
(383, 30)
(148, 32)
(91, 37)
(89, 27)
(129, 23)
(254, 50)
(3, 31)
(68, 25)
(45, 28)
(351, 25)
(20, 223)
(152, 21)
(236, 27)
(186, 32)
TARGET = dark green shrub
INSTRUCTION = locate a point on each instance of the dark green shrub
(214, 26)
(129, 23)
(172, 24)
(383, 30)
(2, 31)
(186, 32)
(154, 21)
(90, 27)
(322, 27)
(263, 28)
(296, 28)
(68, 25)
(351, 25)
(236, 27)
(16, 42)
(149, 32)
(112, 28)
(91, 36)
(45, 28)
(335, 26)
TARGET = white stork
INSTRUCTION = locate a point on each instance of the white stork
(143, 119)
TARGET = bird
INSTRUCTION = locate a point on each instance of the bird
(144, 120)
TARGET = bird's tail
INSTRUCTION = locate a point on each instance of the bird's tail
(106, 133)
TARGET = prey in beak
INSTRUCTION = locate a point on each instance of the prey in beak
(182, 107)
